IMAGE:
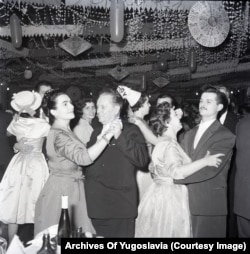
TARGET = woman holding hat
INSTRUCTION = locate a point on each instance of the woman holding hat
(26, 173)
(66, 153)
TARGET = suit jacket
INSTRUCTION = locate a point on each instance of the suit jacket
(231, 121)
(6, 151)
(242, 177)
(208, 186)
(110, 184)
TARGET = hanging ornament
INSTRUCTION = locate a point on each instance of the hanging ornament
(117, 20)
(192, 61)
(16, 31)
(118, 73)
(27, 73)
(75, 45)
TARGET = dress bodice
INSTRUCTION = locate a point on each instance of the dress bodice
(167, 156)
(28, 128)
(66, 153)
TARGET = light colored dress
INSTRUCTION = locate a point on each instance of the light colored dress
(65, 152)
(164, 208)
(26, 173)
(83, 130)
(144, 177)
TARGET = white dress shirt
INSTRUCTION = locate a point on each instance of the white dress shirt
(203, 126)
(223, 118)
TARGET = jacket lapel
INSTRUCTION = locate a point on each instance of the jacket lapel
(207, 135)
(190, 142)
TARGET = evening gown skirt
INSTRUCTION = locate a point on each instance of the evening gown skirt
(164, 208)
(65, 152)
(21, 185)
(164, 211)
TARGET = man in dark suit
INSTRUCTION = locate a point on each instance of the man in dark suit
(229, 119)
(208, 187)
(242, 177)
(110, 184)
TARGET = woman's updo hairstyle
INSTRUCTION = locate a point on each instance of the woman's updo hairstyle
(49, 102)
(160, 115)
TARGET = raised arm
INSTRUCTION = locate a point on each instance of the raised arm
(177, 164)
(146, 131)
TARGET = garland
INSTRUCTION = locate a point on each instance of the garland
(150, 31)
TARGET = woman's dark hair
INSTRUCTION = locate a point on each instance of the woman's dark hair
(140, 102)
(160, 115)
(80, 105)
(27, 115)
(173, 101)
(49, 102)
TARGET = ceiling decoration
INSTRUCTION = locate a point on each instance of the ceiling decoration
(161, 82)
(75, 45)
(208, 23)
(152, 36)
(119, 73)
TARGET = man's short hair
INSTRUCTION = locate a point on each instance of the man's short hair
(221, 98)
(42, 83)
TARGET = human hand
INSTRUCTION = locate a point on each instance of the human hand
(214, 160)
(116, 128)
(22, 147)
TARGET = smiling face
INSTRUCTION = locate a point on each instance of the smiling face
(64, 108)
(89, 111)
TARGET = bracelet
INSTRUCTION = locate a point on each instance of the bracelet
(105, 139)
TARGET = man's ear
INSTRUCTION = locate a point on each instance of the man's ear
(117, 110)
(52, 112)
(220, 107)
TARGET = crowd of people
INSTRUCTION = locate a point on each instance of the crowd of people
(155, 171)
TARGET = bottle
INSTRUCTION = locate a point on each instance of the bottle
(46, 247)
(79, 232)
(64, 229)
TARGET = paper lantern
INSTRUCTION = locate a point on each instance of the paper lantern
(15, 31)
(28, 73)
(192, 61)
(116, 20)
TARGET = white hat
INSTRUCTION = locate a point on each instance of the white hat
(130, 95)
(26, 102)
